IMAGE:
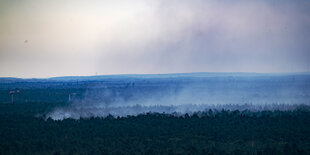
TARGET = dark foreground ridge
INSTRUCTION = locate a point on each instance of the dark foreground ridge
(210, 132)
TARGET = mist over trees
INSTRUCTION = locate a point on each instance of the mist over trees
(226, 114)
(210, 132)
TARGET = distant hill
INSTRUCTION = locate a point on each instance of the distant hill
(148, 76)
(172, 75)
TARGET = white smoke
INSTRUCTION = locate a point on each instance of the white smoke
(179, 101)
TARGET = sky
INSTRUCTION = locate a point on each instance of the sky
(40, 39)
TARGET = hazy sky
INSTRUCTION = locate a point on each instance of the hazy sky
(59, 38)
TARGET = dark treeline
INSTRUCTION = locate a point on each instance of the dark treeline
(24, 131)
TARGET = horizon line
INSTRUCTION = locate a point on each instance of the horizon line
(137, 74)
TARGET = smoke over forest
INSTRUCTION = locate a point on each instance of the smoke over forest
(186, 113)
(179, 95)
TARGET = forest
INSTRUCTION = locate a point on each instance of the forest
(27, 128)
(208, 132)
